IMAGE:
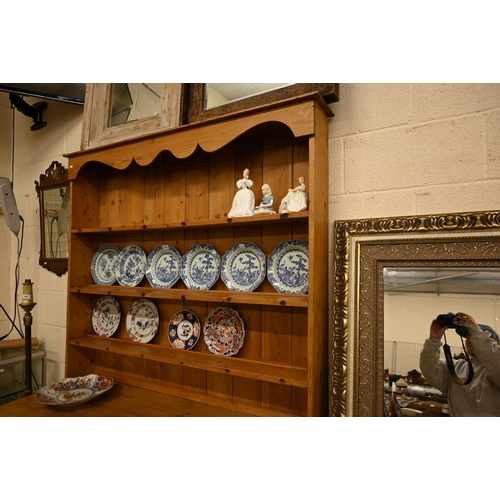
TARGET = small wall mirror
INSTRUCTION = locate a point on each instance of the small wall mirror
(53, 197)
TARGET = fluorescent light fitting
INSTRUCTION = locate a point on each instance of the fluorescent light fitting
(9, 205)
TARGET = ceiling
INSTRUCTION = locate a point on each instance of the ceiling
(443, 280)
(68, 92)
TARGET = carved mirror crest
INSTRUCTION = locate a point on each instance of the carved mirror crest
(364, 251)
(53, 197)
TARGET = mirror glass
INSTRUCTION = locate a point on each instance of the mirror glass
(55, 226)
(134, 101)
(217, 94)
(413, 297)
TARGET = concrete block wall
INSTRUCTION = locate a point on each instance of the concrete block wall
(407, 149)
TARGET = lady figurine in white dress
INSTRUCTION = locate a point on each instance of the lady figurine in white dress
(244, 199)
(295, 200)
(266, 206)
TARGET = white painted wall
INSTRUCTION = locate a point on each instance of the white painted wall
(395, 149)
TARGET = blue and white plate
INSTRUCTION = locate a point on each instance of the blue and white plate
(200, 267)
(131, 266)
(164, 266)
(243, 267)
(288, 267)
(103, 265)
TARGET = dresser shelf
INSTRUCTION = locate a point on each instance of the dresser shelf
(176, 187)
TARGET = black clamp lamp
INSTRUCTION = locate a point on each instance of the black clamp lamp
(34, 111)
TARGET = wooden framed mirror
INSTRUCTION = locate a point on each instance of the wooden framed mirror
(153, 107)
(53, 196)
(367, 250)
(194, 101)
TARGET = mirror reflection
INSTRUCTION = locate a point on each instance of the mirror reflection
(413, 297)
(55, 215)
(134, 101)
(217, 94)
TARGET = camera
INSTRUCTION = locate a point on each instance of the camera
(448, 320)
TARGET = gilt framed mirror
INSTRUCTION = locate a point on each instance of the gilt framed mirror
(428, 258)
(53, 196)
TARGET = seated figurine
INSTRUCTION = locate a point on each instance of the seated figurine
(296, 199)
(266, 206)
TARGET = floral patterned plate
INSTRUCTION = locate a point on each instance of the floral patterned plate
(200, 267)
(74, 391)
(106, 316)
(224, 331)
(164, 266)
(184, 330)
(131, 266)
(103, 265)
(142, 321)
(288, 267)
(243, 267)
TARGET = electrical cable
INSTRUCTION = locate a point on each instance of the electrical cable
(16, 288)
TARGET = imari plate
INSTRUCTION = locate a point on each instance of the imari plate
(224, 331)
(184, 330)
(74, 391)
(106, 316)
(142, 321)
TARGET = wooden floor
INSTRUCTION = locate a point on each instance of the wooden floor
(120, 401)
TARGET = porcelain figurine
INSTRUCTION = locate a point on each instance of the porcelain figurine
(244, 199)
(266, 205)
(296, 199)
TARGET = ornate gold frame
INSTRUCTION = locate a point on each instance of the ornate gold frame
(362, 248)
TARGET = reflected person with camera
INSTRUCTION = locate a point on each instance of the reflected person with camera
(472, 385)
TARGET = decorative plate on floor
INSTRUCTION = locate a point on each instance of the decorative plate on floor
(224, 331)
(131, 266)
(288, 267)
(243, 267)
(74, 391)
(103, 265)
(164, 266)
(142, 321)
(200, 267)
(106, 316)
(184, 330)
